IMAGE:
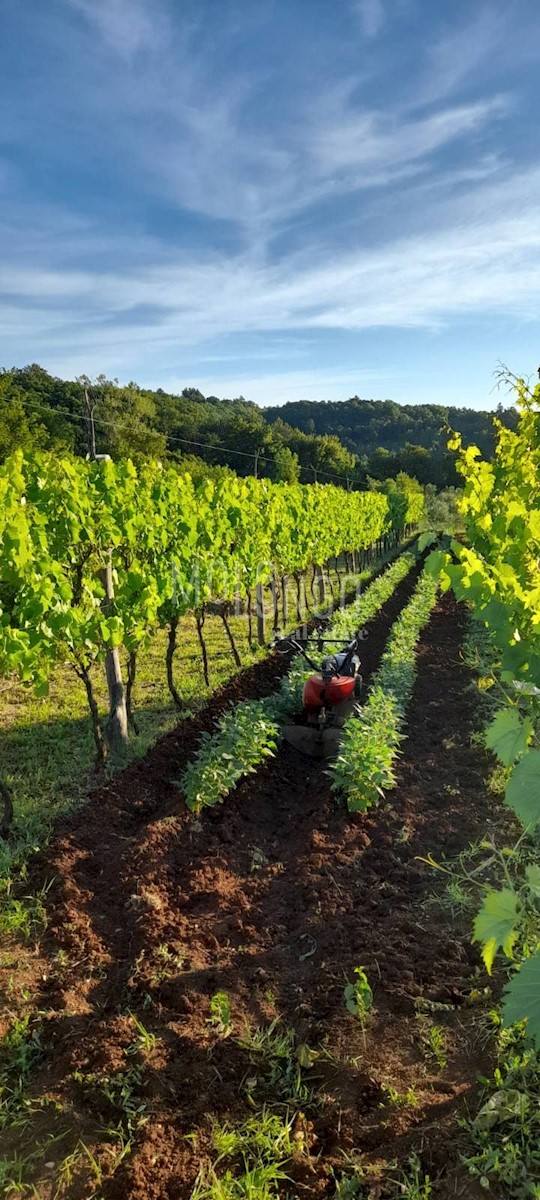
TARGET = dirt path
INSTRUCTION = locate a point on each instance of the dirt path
(274, 899)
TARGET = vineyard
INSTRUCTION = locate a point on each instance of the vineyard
(237, 971)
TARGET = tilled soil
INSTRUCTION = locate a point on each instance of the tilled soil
(274, 898)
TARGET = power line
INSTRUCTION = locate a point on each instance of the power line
(170, 437)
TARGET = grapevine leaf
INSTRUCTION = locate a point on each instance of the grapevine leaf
(495, 924)
(533, 878)
(435, 562)
(508, 735)
(425, 540)
(522, 998)
(523, 789)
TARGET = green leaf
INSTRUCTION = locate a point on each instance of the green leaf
(533, 878)
(523, 789)
(435, 562)
(425, 540)
(508, 735)
(496, 923)
(526, 689)
(522, 998)
(505, 1105)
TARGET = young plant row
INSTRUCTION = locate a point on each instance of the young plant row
(364, 767)
(498, 573)
(250, 732)
(98, 555)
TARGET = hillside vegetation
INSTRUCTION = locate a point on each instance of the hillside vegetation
(344, 442)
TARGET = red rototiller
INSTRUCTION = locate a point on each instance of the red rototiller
(329, 696)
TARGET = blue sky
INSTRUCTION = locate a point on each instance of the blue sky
(283, 199)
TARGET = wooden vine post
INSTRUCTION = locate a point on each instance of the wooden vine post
(116, 725)
(261, 616)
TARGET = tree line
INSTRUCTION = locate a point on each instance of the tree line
(350, 443)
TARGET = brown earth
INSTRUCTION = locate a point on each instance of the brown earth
(274, 898)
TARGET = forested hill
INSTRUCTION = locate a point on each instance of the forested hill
(365, 426)
(346, 442)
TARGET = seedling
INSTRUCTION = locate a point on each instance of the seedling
(433, 1041)
(220, 1014)
(358, 997)
(145, 1041)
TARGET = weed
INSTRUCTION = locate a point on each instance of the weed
(20, 1051)
(358, 997)
(433, 1041)
(506, 1131)
(364, 767)
(14, 1176)
(408, 1099)
(21, 916)
(145, 1041)
(415, 1184)
(220, 1014)
(115, 1099)
(262, 1146)
(278, 1065)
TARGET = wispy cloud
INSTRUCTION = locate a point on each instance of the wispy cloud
(483, 260)
(125, 26)
(375, 140)
(372, 16)
(227, 197)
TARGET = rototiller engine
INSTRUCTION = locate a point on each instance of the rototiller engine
(329, 696)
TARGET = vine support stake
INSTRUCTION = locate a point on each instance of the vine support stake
(171, 648)
(199, 620)
(261, 615)
(228, 630)
(116, 726)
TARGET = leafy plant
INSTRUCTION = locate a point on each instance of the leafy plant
(358, 997)
(496, 570)
(248, 734)
(262, 1145)
(220, 1013)
(364, 768)
(433, 1041)
(506, 1131)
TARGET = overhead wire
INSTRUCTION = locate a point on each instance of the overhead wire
(50, 410)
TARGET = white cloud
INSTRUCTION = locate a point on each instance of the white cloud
(372, 16)
(483, 258)
(279, 386)
(126, 26)
(377, 141)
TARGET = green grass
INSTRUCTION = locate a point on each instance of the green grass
(505, 1134)
(249, 1160)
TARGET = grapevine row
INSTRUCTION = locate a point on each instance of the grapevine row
(498, 573)
(98, 555)
(250, 732)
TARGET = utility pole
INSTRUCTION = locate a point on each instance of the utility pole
(90, 405)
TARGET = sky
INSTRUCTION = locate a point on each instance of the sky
(282, 199)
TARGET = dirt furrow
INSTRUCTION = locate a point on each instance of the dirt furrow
(274, 899)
